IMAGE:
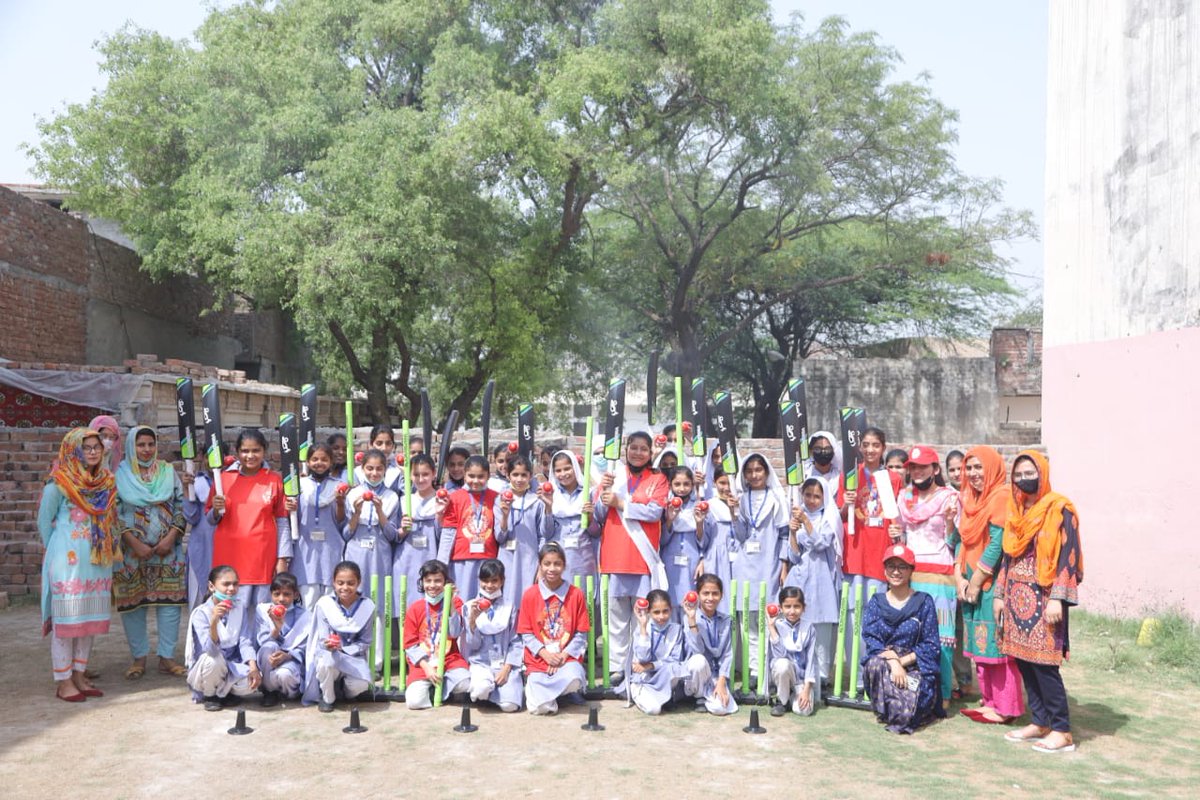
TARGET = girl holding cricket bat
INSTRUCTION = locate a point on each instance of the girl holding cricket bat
(423, 629)
(251, 530)
(417, 540)
(553, 625)
(343, 628)
(322, 514)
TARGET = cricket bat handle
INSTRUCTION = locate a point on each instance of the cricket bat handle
(295, 523)
(189, 467)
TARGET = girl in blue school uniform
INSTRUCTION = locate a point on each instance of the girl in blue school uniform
(656, 667)
(384, 440)
(564, 523)
(709, 640)
(684, 546)
(520, 522)
(490, 643)
(760, 534)
(795, 672)
(322, 512)
(371, 528)
(417, 539)
(814, 554)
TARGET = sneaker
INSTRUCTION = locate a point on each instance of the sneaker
(212, 703)
(575, 698)
(778, 710)
(325, 708)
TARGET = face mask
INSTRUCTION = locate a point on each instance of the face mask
(221, 596)
(492, 595)
(317, 476)
(433, 597)
(923, 485)
(823, 457)
(1027, 485)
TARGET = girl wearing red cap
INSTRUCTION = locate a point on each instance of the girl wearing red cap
(928, 512)
(902, 660)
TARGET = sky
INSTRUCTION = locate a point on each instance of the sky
(985, 60)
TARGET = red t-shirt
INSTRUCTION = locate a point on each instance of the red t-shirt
(617, 552)
(246, 538)
(422, 625)
(551, 620)
(474, 521)
(862, 553)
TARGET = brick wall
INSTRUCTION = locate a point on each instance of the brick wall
(1018, 356)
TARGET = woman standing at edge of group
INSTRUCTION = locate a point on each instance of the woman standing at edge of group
(153, 573)
(110, 437)
(984, 499)
(1038, 582)
(77, 520)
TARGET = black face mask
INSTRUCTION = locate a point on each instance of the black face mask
(822, 457)
(1027, 485)
(923, 485)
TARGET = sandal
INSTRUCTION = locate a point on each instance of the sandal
(178, 670)
(135, 672)
(1020, 737)
(1067, 745)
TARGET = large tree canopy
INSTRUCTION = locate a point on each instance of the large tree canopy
(442, 191)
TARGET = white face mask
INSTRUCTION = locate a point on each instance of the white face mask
(490, 595)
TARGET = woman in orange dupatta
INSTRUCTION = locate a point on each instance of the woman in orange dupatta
(1038, 581)
(984, 500)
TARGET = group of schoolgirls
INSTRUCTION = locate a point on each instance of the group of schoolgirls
(506, 513)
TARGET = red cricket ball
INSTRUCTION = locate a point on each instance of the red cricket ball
(343, 488)
(691, 597)
(483, 604)
(772, 610)
(368, 495)
(702, 506)
(226, 604)
(358, 457)
(643, 603)
(660, 440)
(229, 461)
(278, 610)
(676, 502)
(443, 494)
(547, 487)
(399, 459)
(508, 495)
(687, 427)
(513, 447)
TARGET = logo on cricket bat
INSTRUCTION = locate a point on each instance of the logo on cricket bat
(207, 418)
(525, 433)
(284, 444)
(304, 413)
(790, 432)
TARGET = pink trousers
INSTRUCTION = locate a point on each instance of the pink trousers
(1000, 687)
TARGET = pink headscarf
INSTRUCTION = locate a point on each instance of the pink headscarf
(103, 423)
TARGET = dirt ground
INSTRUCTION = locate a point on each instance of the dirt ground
(146, 739)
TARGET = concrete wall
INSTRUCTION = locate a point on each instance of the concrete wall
(914, 400)
(1122, 294)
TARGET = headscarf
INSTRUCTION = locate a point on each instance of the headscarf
(158, 488)
(827, 514)
(983, 508)
(565, 504)
(774, 506)
(93, 493)
(105, 422)
(1046, 514)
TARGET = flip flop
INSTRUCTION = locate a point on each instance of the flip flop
(976, 715)
(135, 672)
(1066, 748)
(178, 670)
(75, 698)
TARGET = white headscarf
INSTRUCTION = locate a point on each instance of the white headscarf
(775, 507)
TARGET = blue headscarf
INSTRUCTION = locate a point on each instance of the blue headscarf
(159, 488)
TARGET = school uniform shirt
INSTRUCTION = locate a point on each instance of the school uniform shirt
(517, 540)
(369, 543)
(760, 533)
(564, 525)
(798, 644)
(393, 478)
(554, 619)
(320, 545)
(355, 626)
(422, 636)
(253, 532)
(495, 641)
(293, 633)
(469, 527)
(414, 549)
(682, 551)
(713, 639)
(862, 553)
(815, 568)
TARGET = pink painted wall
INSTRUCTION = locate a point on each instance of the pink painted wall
(1121, 422)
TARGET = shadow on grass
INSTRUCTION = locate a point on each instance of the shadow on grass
(1095, 720)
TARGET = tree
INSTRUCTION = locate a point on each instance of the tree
(345, 162)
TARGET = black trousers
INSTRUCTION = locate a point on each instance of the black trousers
(1046, 695)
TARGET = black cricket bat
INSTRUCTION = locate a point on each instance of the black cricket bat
(289, 464)
(444, 447)
(614, 421)
(185, 409)
(212, 434)
(486, 423)
(725, 427)
(525, 430)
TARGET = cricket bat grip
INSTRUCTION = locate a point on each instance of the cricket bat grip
(217, 483)
(189, 467)
(295, 523)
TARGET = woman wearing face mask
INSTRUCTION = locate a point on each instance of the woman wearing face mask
(928, 515)
(825, 461)
(110, 437)
(1038, 581)
(630, 509)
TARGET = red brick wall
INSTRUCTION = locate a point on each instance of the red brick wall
(43, 281)
(1018, 356)
(25, 456)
